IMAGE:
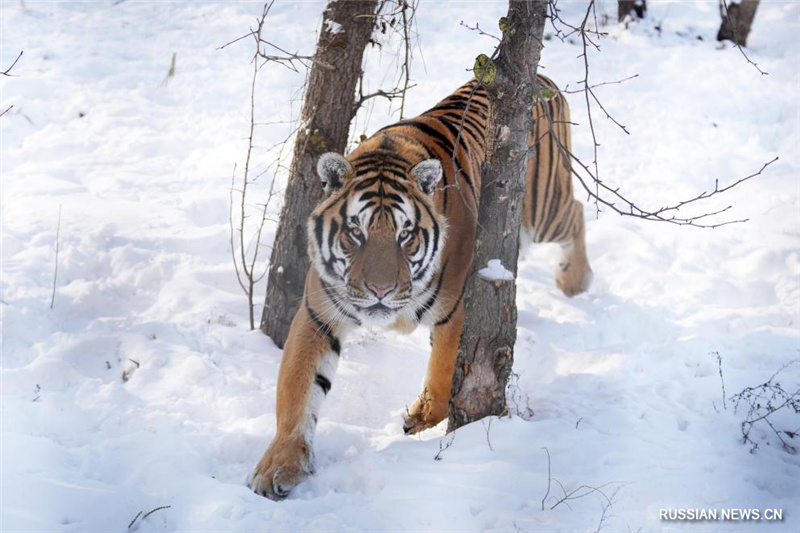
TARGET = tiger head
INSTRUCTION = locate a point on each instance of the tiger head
(376, 240)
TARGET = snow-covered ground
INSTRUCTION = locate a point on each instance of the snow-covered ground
(621, 385)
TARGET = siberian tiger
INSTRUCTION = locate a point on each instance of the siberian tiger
(392, 244)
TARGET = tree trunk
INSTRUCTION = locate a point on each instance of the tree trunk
(327, 111)
(486, 351)
(737, 21)
(635, 7)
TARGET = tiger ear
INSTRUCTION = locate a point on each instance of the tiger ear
(332, 169)
(428, 173)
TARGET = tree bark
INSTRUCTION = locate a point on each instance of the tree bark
(325, 123)
(486, 351)
(737, 21)
(625, 7)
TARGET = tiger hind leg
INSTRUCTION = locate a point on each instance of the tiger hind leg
(573, 273)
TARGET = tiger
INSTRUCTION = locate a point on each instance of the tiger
(392, 245)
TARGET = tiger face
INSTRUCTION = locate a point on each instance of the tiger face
(376, 241)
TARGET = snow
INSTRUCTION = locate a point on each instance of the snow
(621, 385)
(333, 27)
(495, 271)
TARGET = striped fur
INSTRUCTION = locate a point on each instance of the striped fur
(393, 244)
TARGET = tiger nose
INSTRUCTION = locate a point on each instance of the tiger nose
(381, 290)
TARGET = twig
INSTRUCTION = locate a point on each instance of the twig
(736, 39)
(623, 80)
(389, 95)
(606, 506)
(722, 380)
(401, 20)
(244, 266)
(478, 29)
(7, 72)
(549, 476)
(596, 189)
(577, 493)
(581, 492)
(487, 429)
(629, 208)
(586, 92)
(287, 60)
(134, 519)
(407, 50)
(762, 400)
(156, 509)
(55, 270)
(147, 514)
(452, 438)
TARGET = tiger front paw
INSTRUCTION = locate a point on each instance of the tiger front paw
(425, 413)
(573, 279)
(284, 465)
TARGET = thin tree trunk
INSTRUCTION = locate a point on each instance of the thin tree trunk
(626, 7)
(486, 351)
(737, 21)
(325, 122)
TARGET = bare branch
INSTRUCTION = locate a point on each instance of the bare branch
(629, 208)
(147, 514)
(724, 5)
(389, 95)
(406, 73)
(765, 400)
(623, 80)
(245, 36)
(385, 20)
(286, 60)
(55, 270)
(478, 29)
(232, 227)
(7, 72)
(244, 266)
(549, 477)
(579, 492)
(596, 189)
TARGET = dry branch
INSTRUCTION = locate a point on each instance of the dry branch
(596, 189)
(245, 266)
(147, 514)
(579, 492)
(7, 72)
(733, 19)
(55, 270)
(765, 400)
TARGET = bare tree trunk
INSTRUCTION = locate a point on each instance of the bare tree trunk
(737, 20)
(486, 351)
(325, 122)
(626, 7)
